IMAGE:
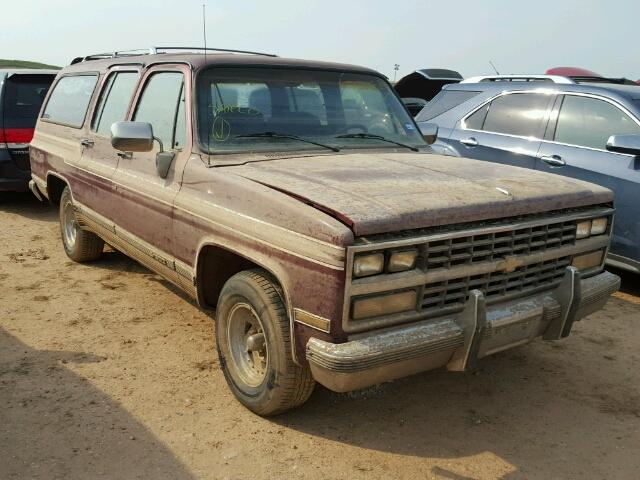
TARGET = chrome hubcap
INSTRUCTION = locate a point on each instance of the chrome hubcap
(69, 226)
(247, 344)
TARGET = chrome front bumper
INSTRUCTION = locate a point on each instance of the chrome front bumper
(458, 341)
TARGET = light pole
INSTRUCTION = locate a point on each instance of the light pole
(396, 67)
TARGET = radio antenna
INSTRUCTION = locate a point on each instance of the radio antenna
(204, 36)
(204, 29)
(494, 67)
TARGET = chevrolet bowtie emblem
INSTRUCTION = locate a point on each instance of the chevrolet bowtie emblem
(510, 264)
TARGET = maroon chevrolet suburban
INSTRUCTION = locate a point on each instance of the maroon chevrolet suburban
(300, 200)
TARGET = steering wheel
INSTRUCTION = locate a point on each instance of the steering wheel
(356, 126)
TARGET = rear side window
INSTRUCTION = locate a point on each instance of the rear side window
(589, 122)
(520, 114)
(70, 99)
(475, 121)
(114, 101)
(162, 105)
(443, 102)
(23, 97)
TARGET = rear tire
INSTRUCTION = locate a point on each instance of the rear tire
(80, 245)
(254, 345)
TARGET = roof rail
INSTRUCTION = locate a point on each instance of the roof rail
(157, 50)
(519, 78)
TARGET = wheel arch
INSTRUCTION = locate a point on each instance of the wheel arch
(211, 252)
(221, 263)
(55, 186)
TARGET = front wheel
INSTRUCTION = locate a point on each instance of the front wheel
(80, 245)
(254, 345)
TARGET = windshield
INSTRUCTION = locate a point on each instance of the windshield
(236, 104)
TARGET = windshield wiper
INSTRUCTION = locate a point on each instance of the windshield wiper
(377, 137)
(286, 135)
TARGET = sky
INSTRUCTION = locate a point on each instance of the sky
(463, 35)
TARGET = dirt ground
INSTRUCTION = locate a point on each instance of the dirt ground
(106, 371)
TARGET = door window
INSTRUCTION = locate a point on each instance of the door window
(589, 122)
(70, 99)
(162, 105)
(520, 114)
(114, 101)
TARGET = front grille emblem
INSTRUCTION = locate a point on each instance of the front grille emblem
(511, 264)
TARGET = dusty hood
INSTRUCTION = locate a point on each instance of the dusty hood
(378, 193)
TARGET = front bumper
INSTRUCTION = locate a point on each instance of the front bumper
(458, 341)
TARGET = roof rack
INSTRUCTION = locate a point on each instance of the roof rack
(519, 78)
(157, 50)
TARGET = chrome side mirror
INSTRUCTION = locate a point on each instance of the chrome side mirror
(132, 136)
(629, 144)
(429, 132)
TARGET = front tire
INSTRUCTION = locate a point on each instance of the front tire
(80, 245)
(254, 345)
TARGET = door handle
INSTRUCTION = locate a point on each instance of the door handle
(555, 161)
(125, 154)
(86, 142)
(469, 142)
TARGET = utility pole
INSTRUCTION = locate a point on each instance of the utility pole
(396, 67)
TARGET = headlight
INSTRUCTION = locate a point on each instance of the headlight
(369, 307)
(366, 265)
(583, 229)
(401, 261)
(588, 228)
(588, 260)
(599, 226)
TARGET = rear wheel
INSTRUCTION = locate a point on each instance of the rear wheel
(80, 245)
(254, 345)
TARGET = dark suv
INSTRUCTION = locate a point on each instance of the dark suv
(589, 131)
(21, 95)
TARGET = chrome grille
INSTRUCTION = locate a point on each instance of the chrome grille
(489, 246)
(451, 295)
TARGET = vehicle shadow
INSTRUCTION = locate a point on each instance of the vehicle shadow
(528, 410)
(55, 424)
(630, 281)
(116, 261)
(27, 205)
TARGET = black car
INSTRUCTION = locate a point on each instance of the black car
(21, 94)
(419, 87)
(587, 128)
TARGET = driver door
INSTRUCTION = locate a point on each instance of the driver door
(144, 209)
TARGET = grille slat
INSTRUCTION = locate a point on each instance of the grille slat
(522, 280)
(454, 293)
(486, 247)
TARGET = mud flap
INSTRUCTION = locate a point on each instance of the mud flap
(568, 295)
(473, 321)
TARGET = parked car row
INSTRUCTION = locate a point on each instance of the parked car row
(588, 130)
(300, 200)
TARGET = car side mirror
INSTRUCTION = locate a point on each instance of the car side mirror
(163, 163)
(629, 144)
(132, 136)
(138, 137)
(429, 132)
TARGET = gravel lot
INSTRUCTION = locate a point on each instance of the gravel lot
(106, 371)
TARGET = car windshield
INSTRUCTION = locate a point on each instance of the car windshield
(280, 109)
